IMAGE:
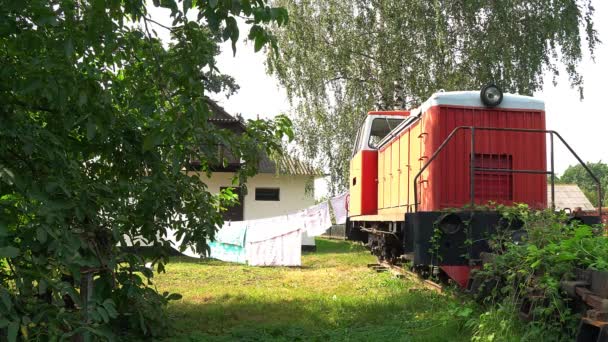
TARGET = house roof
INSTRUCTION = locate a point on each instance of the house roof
(288, 165)
(569, 196)
(221, 116)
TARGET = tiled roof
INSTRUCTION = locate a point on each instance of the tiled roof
(288, 165)
(220, 115)
(569, 196)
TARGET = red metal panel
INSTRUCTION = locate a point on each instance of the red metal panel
(493, 186)
(460, 274)
(369, 185)
(448, 175)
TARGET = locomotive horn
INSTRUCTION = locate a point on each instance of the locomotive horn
(491, 95)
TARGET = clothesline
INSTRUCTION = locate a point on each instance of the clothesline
(273, 241)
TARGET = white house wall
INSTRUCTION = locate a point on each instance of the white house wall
(292, 193)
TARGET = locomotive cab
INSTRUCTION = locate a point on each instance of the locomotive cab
(376, 127)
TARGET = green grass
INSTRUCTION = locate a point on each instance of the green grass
(332, 297)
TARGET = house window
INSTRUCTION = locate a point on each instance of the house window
(267, 194)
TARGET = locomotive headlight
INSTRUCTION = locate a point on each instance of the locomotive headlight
(491, 95)
(450, 224)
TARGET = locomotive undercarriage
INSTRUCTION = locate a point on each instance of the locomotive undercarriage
(384, 241)
(439, 243)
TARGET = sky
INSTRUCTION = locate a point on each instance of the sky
(583, 124)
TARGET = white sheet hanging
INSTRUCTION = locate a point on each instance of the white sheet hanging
(282, 250)
(317, 219)
(275, 241)
(268, 228)
(339, 205)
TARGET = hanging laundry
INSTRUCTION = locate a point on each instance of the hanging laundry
(317, 219)
(227, 252)
(232, 233)
(282, 250)
(229, 244)
(275, 241)
(339, 205)
(268, 228)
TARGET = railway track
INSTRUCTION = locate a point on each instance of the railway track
(400, 272)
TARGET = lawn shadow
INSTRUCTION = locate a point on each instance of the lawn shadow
(202, 261)
(328, 246)
(409, 316)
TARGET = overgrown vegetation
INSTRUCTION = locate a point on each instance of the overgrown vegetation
(529, 270)
(98, 121)
(332, 297)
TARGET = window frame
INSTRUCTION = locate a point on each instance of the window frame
(377, 145)
(278, 194)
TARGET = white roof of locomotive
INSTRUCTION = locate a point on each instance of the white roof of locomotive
(473, 99)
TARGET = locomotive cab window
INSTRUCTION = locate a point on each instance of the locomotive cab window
(380, 129)
(356, 148)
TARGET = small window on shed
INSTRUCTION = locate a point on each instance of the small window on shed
(267, 194)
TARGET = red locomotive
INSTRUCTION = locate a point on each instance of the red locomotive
(457, 150)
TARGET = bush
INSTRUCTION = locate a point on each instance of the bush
(528, 273)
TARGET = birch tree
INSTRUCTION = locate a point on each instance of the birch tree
(340, 59)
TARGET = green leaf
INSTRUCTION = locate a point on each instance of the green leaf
(232, 31)
(103, 313)
(108, 304)
(142, 323)
(7, 175)
(69, 48)
(186, 5)
(41, 234)
(13, 329)
(3, 229)
(95, 315)
(212, 3)
(260, 40)
(9, 252)
(90, 129)
(82, 98)
(152, 140)
(535, 264)
(42, 286)
(174, 296)
(6, 299)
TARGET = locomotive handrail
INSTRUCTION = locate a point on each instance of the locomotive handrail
(433, 156)
(472, 167)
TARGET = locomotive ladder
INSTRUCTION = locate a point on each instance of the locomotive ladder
(472, 167)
